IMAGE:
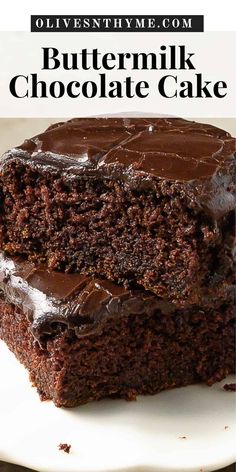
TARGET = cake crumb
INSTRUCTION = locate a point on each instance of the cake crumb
(230, 387)
(182, 437)
(64, 447)
(226, 427)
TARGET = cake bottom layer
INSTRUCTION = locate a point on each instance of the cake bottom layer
(133, 355)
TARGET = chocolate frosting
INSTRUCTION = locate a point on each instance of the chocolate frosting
(80, 302)
(173, 149)
(140, 151)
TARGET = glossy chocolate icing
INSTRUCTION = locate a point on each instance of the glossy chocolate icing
(140, 151)
(173, 149)
(80, 302)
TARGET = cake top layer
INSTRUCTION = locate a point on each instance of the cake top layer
(173, 148)
(80, 302)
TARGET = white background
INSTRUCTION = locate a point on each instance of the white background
(219, 15)
(21, 53)
(15, 16)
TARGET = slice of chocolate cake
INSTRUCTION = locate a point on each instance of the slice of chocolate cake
(84, 339)
(142, 202)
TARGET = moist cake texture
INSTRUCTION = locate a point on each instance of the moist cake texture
(84, 339)
(142, 202)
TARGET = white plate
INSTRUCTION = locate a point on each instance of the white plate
(116, 435)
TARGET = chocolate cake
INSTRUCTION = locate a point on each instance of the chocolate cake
(141, 202)
(83, 338)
